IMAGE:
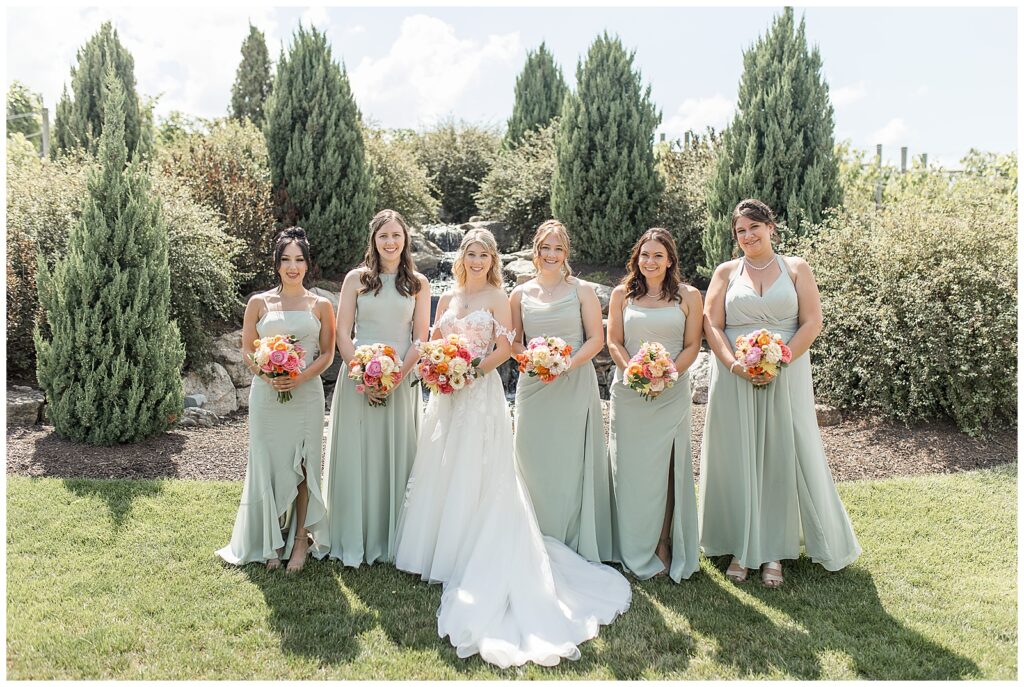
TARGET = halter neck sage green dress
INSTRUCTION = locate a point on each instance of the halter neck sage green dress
(765, 484)
(643, 436)
(370, 450)
(559, 439)
(285, 445)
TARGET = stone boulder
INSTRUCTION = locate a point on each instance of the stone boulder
(827, 415)
(447, 237)
(524, 254)
(227, 352)
(604, 294)
(198, 417)
(425, 253)
(24, 405)
(700, 376)
(330, 294)
(214, 383)
(242, 396)
(520, 271)
(504, 236)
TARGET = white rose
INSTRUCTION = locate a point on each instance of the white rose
(657, 385)
(772, 353)
(458, 366)
(457, 382)
(387, 365)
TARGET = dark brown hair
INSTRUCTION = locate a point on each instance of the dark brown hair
(296, 235)
(405, 281)
(754, 209)
(636, 282)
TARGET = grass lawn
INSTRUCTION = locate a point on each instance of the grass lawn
(117, 579)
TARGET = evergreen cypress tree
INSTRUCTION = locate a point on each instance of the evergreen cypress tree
(605, 187)
(108, 355)
(540, 92)
(252, 80)
(317, 160)
(79, 119)
(780, 146)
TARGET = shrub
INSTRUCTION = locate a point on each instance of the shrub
(517, 190)
(108, 355)
(683, 207)
(920, 302)
(400, 182)
(457, 157)
(227, 170)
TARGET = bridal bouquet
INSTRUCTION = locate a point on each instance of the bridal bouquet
(446, 365)
(375, 367)
(277, 356)
(545, 357)
(762, 353)
(651, 370)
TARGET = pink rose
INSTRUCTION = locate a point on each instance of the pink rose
(753, 357)
(267, 368)
(787, 355)
(647, 372)
(464, 354)
(373, 368)
(292, 363)
(278, 357)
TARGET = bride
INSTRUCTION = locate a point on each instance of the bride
(510, 594)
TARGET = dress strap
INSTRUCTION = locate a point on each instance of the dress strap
(736, 272)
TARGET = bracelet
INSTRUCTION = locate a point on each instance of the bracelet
(733, 366)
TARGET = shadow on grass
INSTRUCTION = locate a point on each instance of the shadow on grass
(836, 613)
(310, 612)
(118, 494)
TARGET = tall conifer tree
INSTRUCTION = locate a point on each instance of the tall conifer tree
(317, 160)
(79, 117)
(252, 80)
(780, 146)
(540, 93)
(605, 187)
(108, 355)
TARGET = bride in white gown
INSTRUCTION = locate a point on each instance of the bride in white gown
(510, 594)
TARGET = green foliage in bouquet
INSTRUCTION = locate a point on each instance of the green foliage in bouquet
(517, 190)
(109, 357)
(780, 145)
(80, 117)
(605, 188)
(920, 301)
(317, 159)
(540, 93)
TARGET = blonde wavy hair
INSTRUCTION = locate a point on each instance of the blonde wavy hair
(485, 239)
(552, 226)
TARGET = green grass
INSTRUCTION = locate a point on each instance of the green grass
(117, 579)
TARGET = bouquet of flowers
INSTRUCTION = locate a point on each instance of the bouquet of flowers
(446, 365)
(545, 357)
(762, 353)
(277, 356)
(651, 370)
(375, 367)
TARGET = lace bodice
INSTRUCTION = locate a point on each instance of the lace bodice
(478, 327)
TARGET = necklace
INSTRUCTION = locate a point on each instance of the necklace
(548, 292)
(755, 267)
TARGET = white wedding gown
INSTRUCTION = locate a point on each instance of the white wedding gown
(510, 594)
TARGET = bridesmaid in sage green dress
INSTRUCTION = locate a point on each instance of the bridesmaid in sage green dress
(654, 505)
(559, 438)
(370, 447)
(281, 503)
(765, 484)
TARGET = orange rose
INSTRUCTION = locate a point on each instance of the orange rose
(763, 340)
(293, 374)
(543, 371)
(388, 351)
(450, 350)
(634, 370)
(280, 346)
(442, 368)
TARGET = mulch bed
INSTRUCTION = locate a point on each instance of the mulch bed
(860, 447)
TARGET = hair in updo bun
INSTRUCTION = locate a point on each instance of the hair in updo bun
(296, 235)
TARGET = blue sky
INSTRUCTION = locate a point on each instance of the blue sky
(938, 80)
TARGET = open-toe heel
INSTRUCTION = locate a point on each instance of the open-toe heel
(771, 574)
(736, 572)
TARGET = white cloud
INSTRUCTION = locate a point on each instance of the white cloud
(191, 63)
(428, 71)
(315, 16)
(895, 132)
(355, 30)
(697, 113)
(845, 95)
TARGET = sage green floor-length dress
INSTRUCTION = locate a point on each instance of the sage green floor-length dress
(643, 437)
(559, 438)
(285, 445)
(371, 449)
(765, 484)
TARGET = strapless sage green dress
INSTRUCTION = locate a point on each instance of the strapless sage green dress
(643, 437)
(371, 449)
(285, 446)
(765, 484)
(559, 438)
